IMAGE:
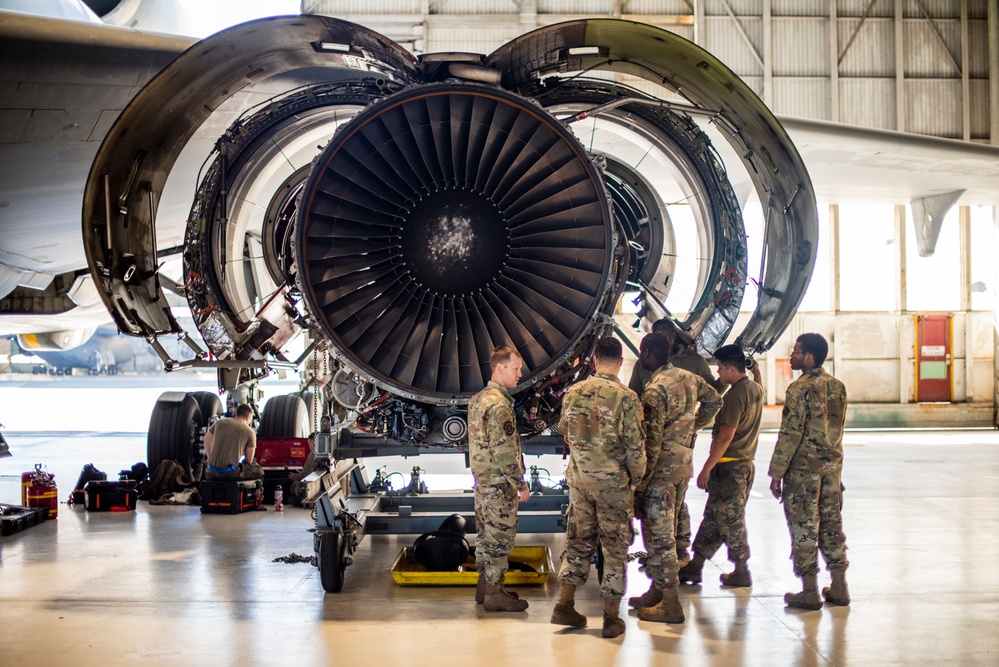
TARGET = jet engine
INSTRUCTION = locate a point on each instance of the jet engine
(410, 214)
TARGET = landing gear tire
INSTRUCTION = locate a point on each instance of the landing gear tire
(284, 416)
(332, 561)
(211, 406)
(173, 432)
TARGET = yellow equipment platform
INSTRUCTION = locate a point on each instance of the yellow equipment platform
(538, 558)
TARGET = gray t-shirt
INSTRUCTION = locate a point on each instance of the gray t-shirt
(230, 437)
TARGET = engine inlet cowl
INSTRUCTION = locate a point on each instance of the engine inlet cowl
(446, 220)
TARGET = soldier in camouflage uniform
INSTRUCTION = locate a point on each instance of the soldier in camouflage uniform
(498, 467)
(602, 425)
(805, 473)
(728, 473)
(685, 357)
(672, 414)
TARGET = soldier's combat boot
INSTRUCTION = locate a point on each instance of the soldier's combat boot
(739, 578)
(838, 593)
(565, 612)
(691, 572)
(497, 599)
(649, 598)
(480, 589)
(808, 598)
(667, 611)
(613, 623)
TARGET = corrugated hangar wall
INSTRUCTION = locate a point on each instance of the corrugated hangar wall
(915, 66)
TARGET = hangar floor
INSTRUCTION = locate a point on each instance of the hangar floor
(166, 585)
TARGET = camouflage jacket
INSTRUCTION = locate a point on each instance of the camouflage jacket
(602, 421)
(672, 415)
(493, 440)
(811, 426)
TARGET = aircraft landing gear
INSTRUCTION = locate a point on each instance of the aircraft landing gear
(176, 431)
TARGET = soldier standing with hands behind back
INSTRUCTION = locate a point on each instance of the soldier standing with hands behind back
(498, 467)
(806, 471)
(601, 423)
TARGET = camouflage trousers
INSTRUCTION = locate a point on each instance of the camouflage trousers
(813, 504)
(682, 530)
(660, 508)
(496, 525)
(243, 471)
(725, 512)
(598, 517)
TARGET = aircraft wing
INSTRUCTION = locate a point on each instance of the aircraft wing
(848, 163)
(63, 84)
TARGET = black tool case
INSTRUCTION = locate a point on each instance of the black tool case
(231, 497)
(15, 518)
(105, 496)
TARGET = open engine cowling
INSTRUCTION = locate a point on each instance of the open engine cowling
(414, 213)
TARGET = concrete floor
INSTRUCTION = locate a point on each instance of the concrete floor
(166, 585)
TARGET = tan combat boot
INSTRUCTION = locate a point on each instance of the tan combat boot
(838, 593)
(480, 589)
(808, 598)
(497, 599)
(691, 572)
(667, 611)
(739, 578)
(649, 598)
(613, 623)
(565, 612)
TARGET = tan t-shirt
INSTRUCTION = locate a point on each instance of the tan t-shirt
(230, 437)
(742, 407)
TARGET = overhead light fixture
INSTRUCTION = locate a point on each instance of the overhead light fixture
(584, 51)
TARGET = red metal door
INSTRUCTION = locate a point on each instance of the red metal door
(933, 359)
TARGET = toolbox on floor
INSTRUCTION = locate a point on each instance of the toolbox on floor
(113, 496)
(15, 518)
(231, 496)
(528, 566)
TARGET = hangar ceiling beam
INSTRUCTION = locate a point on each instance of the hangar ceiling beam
(899, 65)
(863, 19)
(936, 33)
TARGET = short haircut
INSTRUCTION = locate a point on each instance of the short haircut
(815, 345)
(609, 348)
(659, 346)
(731, 355)
(502, 354)
(664, 324)
(243, 411)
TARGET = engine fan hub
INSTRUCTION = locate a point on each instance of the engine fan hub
(455, 242)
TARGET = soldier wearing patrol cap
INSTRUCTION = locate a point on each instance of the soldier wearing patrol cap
(602, 426)
(498, 467)
(805, 473)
